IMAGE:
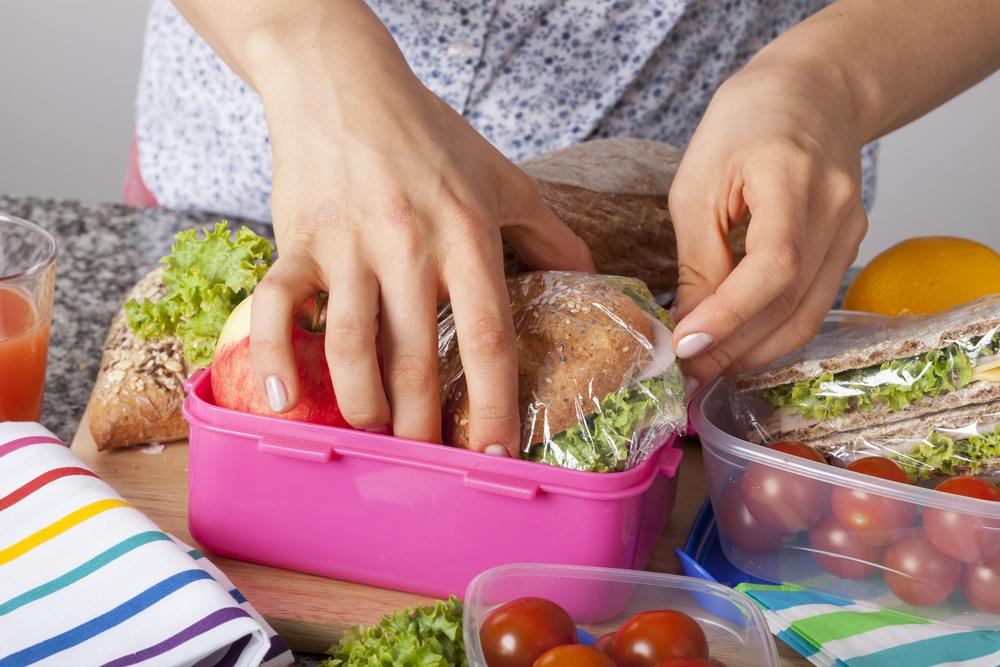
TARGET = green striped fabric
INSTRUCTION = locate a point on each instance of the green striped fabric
(834, 632)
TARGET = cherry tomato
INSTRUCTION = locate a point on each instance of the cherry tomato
(981, 585)
(969, 538)
(688, 662)
(783, 500)
(649, 638)
(873, 519)
(574, 656)
(605, 643)
(920, 574)
(519, 632)
(741, 528)
(840, 554)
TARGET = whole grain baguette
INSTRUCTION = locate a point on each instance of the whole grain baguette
(613, 194)
(140, 386)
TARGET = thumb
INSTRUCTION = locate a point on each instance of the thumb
(545, 242)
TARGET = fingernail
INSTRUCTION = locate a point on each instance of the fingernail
(496, 450)
(673, 312)
(690, 386)
(277, 397)
(384, 429)
(694, 344)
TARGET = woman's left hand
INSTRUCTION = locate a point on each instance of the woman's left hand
(778, 143)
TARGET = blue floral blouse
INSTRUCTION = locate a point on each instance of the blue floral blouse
(531, 76)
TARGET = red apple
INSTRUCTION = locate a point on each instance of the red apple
(233, 383)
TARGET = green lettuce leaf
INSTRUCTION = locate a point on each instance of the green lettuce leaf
(604, 441)
(896, 384)
(428, 636)
(940, 455)
(206, 278)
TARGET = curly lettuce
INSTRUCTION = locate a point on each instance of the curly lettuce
(206, 278)
(896, 384)
(428, 636)
(604, 441)
(940, 455)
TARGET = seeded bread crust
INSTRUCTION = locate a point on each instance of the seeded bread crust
(579, 339)
(613, 194)
(140, 386)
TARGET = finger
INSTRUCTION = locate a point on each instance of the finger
(701, 230)
(486, 345)
(778, 329)
(288, 283)
(807, 318)
(770, 268)
(544, 241)
(351, 325)
(408, 328)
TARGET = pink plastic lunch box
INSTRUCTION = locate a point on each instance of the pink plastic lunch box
(404, 514)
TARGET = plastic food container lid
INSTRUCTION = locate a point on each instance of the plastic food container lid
(600, 599)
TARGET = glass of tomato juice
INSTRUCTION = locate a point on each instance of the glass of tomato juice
(27, 278)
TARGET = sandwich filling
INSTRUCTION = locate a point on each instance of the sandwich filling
(956, 454)
(605, 440)
(893, 385)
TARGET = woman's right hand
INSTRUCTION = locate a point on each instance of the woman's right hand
(386, 198)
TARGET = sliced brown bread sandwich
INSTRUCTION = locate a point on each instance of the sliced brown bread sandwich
(897, 369)
(963, 441)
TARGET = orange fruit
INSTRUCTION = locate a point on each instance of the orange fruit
(926, 274)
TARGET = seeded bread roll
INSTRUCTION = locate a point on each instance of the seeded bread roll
(140, 386)
(613, 194)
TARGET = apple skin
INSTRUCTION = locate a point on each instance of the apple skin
(234, 385)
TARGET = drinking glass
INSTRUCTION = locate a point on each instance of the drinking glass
(27, 278)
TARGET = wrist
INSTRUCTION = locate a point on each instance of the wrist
(336, 57)
(810, 83)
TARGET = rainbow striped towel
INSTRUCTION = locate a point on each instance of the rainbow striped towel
(833, 631)
(86, 579)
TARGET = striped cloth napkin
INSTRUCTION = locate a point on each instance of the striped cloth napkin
(830, 630)
(86, 579)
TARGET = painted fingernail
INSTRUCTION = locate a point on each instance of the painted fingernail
(277, 396)
(690, 386)
(496, 450)
(694, 344)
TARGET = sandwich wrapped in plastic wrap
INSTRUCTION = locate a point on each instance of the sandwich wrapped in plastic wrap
(599, 388)
(965, 441)
(890, 371)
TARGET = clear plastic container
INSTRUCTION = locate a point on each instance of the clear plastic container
(403, 514)
(601, 599)
(919, 545)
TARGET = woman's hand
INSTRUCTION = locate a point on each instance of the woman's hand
(781, 142)
(776, 143)
(387, 199)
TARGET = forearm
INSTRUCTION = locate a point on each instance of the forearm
(281, 46)
(892, 60)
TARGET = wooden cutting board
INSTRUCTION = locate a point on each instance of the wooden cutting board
(308, 611)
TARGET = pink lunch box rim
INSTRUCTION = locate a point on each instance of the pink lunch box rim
(320, 443)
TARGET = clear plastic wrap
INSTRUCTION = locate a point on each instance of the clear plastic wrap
(876, 374)
(960, 442)
(599, 388)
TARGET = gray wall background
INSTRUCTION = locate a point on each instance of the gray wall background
(67, 82)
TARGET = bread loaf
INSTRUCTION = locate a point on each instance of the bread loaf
(140, 386)
(613, 194)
